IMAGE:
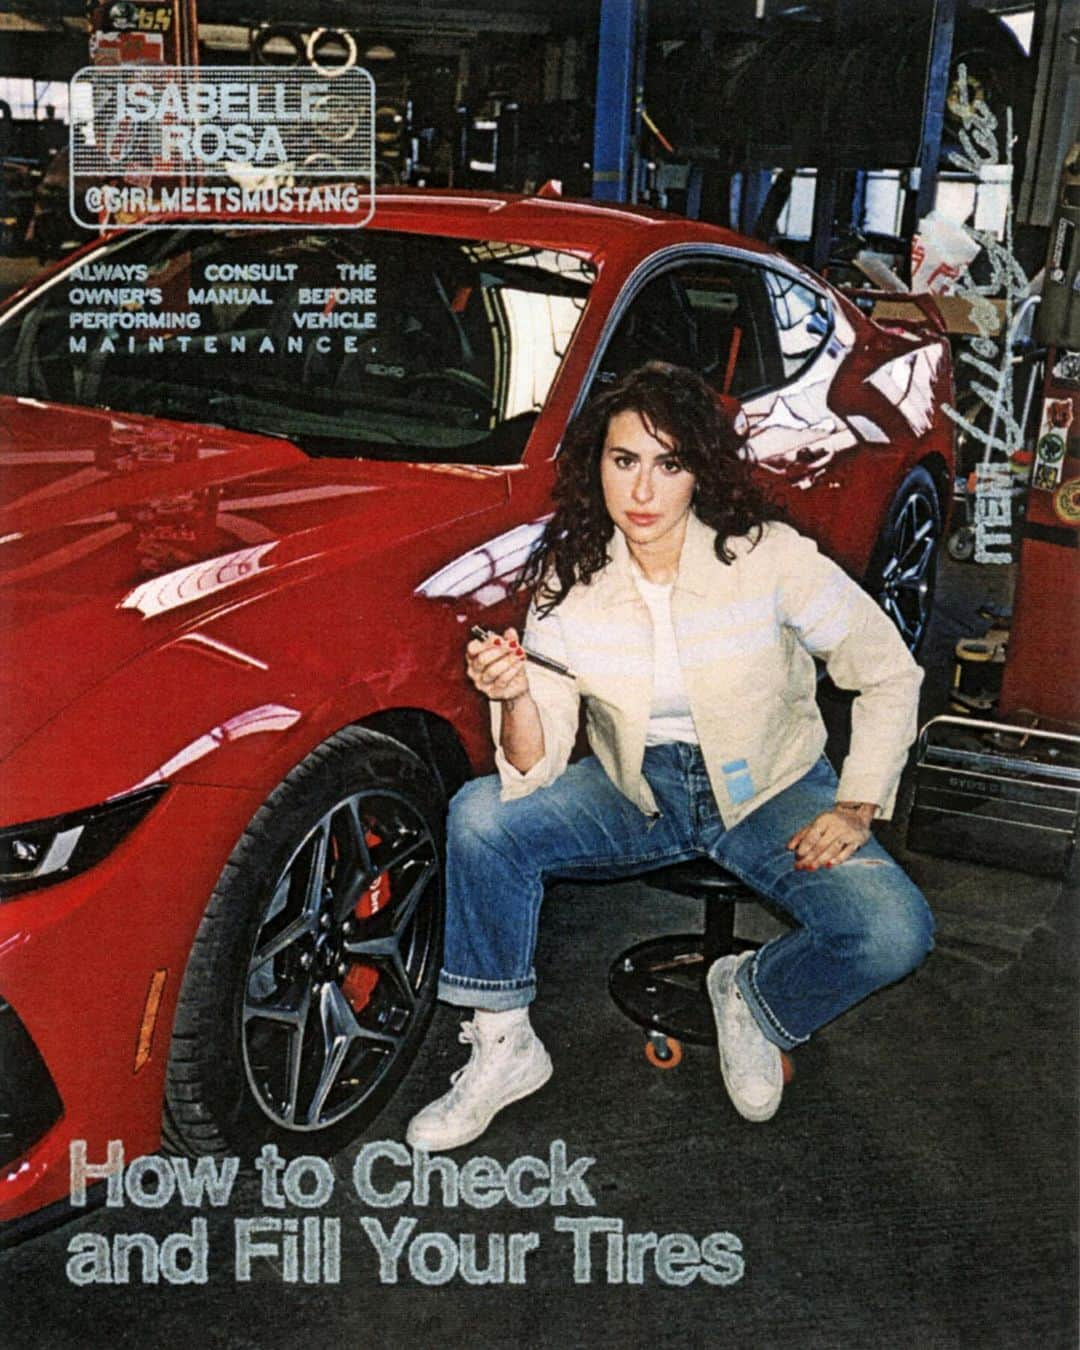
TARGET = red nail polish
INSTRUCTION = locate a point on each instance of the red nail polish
(498, 642)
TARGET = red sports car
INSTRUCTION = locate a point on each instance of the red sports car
(258, 485)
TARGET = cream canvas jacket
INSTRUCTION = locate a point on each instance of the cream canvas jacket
(747, 633)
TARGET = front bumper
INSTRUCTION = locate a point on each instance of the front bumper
(29, 1102)
(82, 966)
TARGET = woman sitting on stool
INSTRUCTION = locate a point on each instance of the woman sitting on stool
(688, 622)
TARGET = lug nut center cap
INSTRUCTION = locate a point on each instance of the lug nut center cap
(326, 952)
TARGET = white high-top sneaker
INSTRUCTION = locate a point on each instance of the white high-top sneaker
(750, 1063)
(507, 1062)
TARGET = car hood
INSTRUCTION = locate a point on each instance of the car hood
(117, 532)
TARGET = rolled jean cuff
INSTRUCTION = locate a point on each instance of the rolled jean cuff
(491, 995)
(771, 1027)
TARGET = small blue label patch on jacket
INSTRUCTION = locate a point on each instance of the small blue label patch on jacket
(739, 783)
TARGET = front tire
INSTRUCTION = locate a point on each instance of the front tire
(312, 977)
(903, 569)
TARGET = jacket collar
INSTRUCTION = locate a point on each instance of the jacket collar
(698, 561)
(615, 584)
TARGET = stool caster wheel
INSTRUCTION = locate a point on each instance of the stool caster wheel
(663, 1052)
(788, 1067)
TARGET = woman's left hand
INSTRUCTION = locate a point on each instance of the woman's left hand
(832, 837)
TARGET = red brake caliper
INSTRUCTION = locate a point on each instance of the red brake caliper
(359, 984)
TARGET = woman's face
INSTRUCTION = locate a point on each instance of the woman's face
(646, 492)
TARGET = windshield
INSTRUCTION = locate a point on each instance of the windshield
(359, 343)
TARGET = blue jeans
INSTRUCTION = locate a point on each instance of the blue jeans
(859, 926)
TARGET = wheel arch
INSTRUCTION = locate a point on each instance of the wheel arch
(906, 593)
(937, 466)
(431, 738)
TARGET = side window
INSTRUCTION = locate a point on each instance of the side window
(803, 321)
(733, 328)
(655, 327)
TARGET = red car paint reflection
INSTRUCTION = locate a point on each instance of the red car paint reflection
(212, 566)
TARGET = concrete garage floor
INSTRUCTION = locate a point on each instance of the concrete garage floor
(918, 1187)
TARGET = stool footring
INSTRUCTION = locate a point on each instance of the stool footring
(660, 984)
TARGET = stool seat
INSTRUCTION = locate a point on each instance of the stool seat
(698, 876)
(660, 983)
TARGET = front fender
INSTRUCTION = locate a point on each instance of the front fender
(238, 702)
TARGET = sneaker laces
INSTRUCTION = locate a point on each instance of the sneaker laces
(759, 1055)
(468, 1035)
(473, 1033)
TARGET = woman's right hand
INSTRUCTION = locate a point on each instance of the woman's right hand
(496, 667)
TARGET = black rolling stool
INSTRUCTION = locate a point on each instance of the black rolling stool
(660, 983)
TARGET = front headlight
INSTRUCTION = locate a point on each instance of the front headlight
(47, 851)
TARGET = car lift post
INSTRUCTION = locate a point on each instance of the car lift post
(618, 103)
(935, 91)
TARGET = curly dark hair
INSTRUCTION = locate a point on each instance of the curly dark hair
(669, 399)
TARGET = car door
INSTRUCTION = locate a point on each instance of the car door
(775, 342)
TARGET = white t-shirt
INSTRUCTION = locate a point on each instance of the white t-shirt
(669, 715)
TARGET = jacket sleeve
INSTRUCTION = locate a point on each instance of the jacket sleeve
(836, 620)
(556, 697)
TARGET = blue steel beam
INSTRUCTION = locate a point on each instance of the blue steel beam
(935, 92)
(622, 28)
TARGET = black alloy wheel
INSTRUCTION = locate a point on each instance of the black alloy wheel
(312, 977)
(903, 570)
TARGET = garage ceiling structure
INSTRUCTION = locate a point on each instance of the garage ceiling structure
(731, 91)
(46, 39)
